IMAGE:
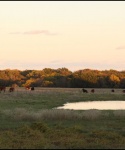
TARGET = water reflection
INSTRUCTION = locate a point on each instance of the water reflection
(101, 105)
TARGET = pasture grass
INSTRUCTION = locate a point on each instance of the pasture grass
(29, 120)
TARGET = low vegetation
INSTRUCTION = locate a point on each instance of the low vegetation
(30, 120)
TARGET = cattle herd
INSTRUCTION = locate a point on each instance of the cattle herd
(11, 89)
(3, 88)
(29, 88)
(93, 91)
(86, 91)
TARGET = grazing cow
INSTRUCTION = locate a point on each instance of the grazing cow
(84, 91)
(11, 89)
(92, 90)
(32, 89)
(27, 87)
(112, 90)
(123, 91)
(3, 88)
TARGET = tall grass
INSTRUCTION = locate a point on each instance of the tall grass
(21, 114)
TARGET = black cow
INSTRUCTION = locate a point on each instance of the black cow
(32, 89)
(84, 90)
(112, 90)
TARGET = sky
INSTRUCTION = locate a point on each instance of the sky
(56, 34)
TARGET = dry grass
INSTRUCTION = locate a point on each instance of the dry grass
(55, 114)
(92, 114)
(119, 113)
(45, 114)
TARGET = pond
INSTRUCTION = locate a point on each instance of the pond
(101, 105)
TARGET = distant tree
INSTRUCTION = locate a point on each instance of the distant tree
(114, 81)
(122, 83)
(47, 84)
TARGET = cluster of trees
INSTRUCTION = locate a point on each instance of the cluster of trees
(62, 77)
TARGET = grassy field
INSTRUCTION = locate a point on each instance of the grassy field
(29, 121)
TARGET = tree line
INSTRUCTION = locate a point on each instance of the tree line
(63, 77)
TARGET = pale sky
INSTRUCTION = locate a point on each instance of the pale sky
(54, 34)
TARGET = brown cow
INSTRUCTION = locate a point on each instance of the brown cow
(123, 91)
(92, 90)
(30, 88)
(11, 89)
(27, 87)
(3, 88)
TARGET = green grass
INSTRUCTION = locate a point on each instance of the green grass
(28, 120)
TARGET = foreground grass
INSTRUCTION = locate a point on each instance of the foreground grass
(102, 131)
(29, 121)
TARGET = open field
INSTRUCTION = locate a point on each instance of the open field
(28, 120)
